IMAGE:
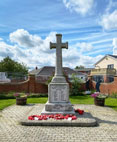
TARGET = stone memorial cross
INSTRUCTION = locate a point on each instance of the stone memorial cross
(59, 45)
(58, 89)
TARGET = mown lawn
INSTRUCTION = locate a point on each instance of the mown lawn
(110, 102)
(6, 102)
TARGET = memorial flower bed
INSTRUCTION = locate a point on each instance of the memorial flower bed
(56, 116)
(21, 98)
(99, 99)
(21, 95)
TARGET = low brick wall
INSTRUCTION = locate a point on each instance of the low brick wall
(18, 87)
(41, 88)
(106, 88)
(29, 86)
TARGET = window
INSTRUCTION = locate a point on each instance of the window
(110, 66)
(110, 78)
(96, 78)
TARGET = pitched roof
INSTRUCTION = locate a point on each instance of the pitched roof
(35, 71)
(49, 70)
(112, 56)
(80, 73)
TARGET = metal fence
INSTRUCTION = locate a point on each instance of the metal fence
(12, 77)
(109, 78)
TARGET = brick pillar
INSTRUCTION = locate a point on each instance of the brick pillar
(31, 83)
(115, 78)
(105, 78)
(91, 85)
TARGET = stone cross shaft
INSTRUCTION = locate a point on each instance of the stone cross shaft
(58, 45)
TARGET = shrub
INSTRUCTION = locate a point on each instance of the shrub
(49, 80)
(37, 95)
(114, 95)
(76, 84)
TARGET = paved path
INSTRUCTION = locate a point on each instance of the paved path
(11, 131)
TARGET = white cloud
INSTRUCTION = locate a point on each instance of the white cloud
(115, 46)
(1, 39)
(89, 61)
(35, 51)
(5, 50)
(112, 4)
(74, 57)
(45, 47)
(84, 47)
(39, 54)
(70, 57)
(109, 21)
(24, 39)
(79, 6)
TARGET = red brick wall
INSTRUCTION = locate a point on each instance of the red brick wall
(107, 88)
(18, 87)
(30, 86)
(41, 88)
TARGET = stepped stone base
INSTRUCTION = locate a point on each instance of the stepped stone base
(58, 108)
(85, 120)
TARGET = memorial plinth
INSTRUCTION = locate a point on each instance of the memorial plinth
(58, 89)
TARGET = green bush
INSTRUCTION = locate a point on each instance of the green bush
(49, 80)
(76, 84)
(7, 95)
(10, 95)
(114, 95)
(37, 95)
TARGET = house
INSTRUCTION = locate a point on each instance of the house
(84, 70)
(44, 73)
(82, 76)
(105, 68)
(108, 61)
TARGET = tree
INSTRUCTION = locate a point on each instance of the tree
(9, 65)
(79, 67)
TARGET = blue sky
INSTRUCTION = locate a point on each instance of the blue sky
(27, 27)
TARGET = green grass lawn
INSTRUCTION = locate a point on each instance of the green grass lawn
(110, 102)
(6, 102)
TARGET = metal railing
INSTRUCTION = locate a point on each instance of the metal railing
(103, 71)
(13, 77)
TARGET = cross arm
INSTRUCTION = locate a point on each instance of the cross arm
(65, 45)
(52, 45)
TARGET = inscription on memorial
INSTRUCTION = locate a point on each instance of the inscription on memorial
(59, 93)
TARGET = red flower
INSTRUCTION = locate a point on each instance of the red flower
(79, 111)
(30, 118)
(74, 117)
(56, 116)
